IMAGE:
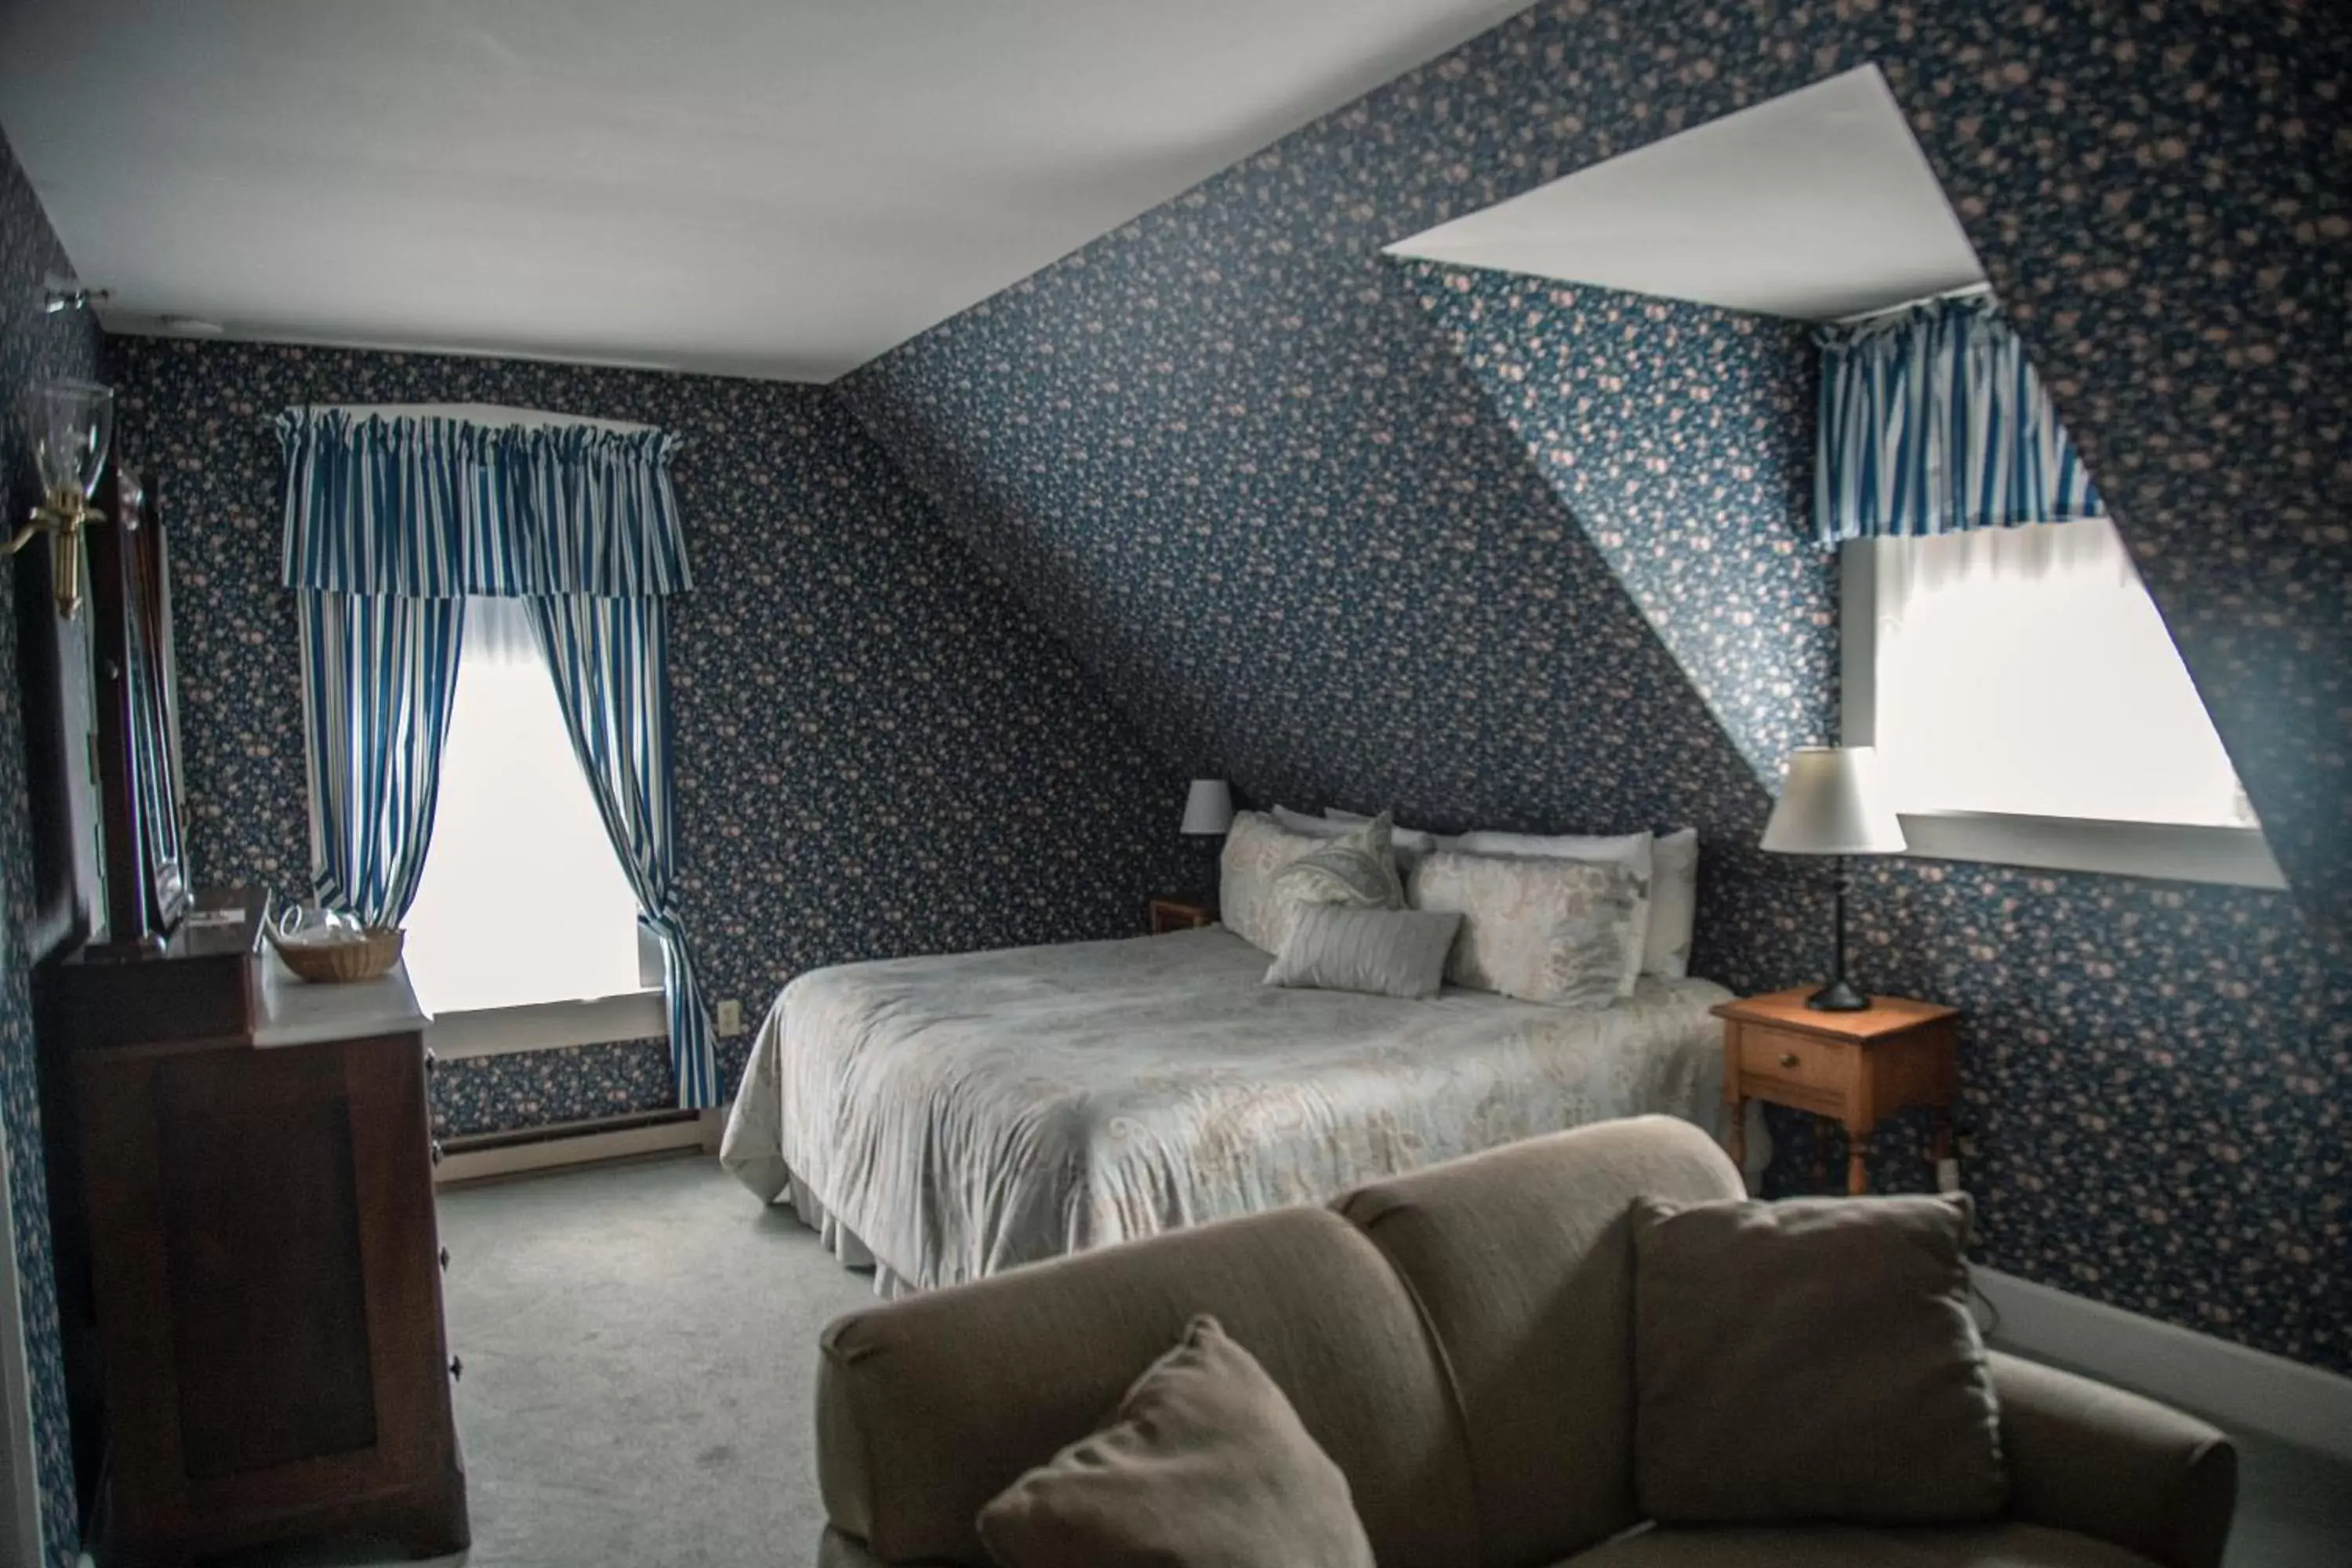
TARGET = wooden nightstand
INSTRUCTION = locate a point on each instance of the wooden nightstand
(1181, 914)
(1854, 1068)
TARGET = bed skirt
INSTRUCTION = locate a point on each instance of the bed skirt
(853, 1254)
(842, 1241)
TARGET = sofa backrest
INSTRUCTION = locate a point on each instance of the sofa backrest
(1522, 1259)
(930, 1407)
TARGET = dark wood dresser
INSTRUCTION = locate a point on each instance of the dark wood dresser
(257, 1164)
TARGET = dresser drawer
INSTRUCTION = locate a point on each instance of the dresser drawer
(1817, 1069)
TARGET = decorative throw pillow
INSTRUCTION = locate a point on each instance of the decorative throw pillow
(1634, 851)
(1255, 852)
(1358, 871)
(1540, 930)
(1810, 1360)
(1381, 952)
(1403, 840)
(1206, 1464)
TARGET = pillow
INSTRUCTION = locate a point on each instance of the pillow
(1810, 1360)
(1673, 903)
(1381, 953)
(1357, 870)
(1407, 840)
(1255, 852)
(1206, 1464)
(1540, 930)
(1634, 851)
(1313, 827)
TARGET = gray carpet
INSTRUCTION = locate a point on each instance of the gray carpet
(640, 1350)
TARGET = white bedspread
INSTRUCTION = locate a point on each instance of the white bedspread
(960, 1115)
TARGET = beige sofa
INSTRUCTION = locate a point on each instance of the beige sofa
(1457, 1339)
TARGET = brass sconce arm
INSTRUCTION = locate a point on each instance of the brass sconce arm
(63, 517)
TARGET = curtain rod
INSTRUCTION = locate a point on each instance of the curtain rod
(496, 415)
(1966, 291)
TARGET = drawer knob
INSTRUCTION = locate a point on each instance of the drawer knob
(444, 1260)
(457, 1368)
(1788, 1058)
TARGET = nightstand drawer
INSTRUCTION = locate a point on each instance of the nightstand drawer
(1821, 1070)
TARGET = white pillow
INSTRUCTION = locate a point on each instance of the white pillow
(1413, 839)
(1673, 903)
(1317, 826)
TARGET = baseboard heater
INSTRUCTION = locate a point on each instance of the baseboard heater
(476, 1156)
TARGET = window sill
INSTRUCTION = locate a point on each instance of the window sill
(2233, 857)
(548, 1026)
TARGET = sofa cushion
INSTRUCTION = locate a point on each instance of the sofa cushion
(1205, 1465)
(1810, 1360)
(1860, 1546)
(1521, 1260)
(930, 1407)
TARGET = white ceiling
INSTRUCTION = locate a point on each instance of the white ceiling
(1815, 204)
(768, 187)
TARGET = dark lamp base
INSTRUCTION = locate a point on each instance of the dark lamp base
(1838, 996)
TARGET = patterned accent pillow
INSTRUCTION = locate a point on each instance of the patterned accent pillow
(1359, 870)
(1381, 953)
(1256, 850)
(1541, 930)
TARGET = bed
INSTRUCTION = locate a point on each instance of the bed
(942, 1119)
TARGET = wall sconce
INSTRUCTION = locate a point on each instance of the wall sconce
(72, 425)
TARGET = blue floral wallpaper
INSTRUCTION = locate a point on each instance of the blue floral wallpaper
(33, 347)
(1353, 534)
(1681, 437)
(878, 752)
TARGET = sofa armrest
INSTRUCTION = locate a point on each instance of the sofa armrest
(2084, 1457)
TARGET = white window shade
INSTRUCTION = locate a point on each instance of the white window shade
(521, 901)
(2022, 675)
(2027, 670)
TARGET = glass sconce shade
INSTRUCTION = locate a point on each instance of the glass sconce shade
(72, 425)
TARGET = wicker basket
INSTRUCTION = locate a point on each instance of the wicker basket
(338, 963)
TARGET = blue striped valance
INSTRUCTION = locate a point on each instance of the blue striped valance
(1932, 421)
(428, 507)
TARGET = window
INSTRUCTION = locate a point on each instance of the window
(2028, 706)
(521, 901)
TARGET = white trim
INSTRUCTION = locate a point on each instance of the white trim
(2225, 1382)
(2237, 857)
(548, 1026)
(563, 1149)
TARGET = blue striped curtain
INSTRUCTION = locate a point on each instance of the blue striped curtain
(379, 677)
(611, 662)
(390, 522)
(437, 507)
(1933, 421)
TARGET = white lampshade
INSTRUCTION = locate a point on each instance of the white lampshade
(1833, 804)
(1208, 809)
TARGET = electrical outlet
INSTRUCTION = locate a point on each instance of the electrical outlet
(1947, 1175)
(731, 1016)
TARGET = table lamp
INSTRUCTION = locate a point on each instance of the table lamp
(1208, 809)
(1832, 804)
